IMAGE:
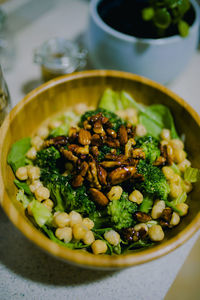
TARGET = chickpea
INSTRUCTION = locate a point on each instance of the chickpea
(136, 197)
(187, 186)
(184, 165)
(43, 132)
(22, 173)
(112, 237)
(88, 223)
(176, 179)
(37, 142)
(177, 144)
(157, 209)
(175, 219)
(64, 233)
(156, 233)
(75, 218)
(42, 193)
(179, 156)
(49, 204)
(33, 172)
(165, 134)
(183, 207)
(79, 231)
(88, 238)
(140, 226)
(115, 193)
(168, 172)
(140, 130)
(54, 124)
(99, 247)
(61, 219)
(175, 190)
(34, 185)
(31, 154)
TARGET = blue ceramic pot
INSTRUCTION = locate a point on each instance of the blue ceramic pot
(159, 59)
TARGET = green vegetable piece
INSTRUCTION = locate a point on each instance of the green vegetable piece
(192, 174)
(47, 158)
(16, 157)
(181, 199)
(40, 213)
(157, 117)
(147, 13)
(121, 212)
(162, 18)
(110, 100)
(154, 183)
(183, 28)
(146, 204)
(21, 197)
(24, 186)
(61, 130)
(173, 206)
(175, 168)
(154, 117)
(150, 146)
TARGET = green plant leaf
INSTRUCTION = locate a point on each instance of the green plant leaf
(16, 157)
(147, 13)
(183, 28)
(162, 18)
(24, 186)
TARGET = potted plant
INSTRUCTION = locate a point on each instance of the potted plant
(153, 38)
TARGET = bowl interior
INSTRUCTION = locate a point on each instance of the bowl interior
(57, 96)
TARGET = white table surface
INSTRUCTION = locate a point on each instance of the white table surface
(25, 271)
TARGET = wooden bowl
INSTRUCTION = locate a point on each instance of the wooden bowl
(56, 96)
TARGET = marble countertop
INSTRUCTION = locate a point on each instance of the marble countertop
(25, 271)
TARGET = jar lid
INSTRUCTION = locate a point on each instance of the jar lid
(60, 55)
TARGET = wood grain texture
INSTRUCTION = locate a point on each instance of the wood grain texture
(57, 96)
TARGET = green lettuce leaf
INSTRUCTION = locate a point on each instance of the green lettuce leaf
(21, 197)
(40, 213)
(16, 157)
(192, 174)
(24, 186)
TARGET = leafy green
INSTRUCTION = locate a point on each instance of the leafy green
(146, 204)
(154, 117)
(181, 199)
(101, 220)
(67, 119)
(175, 168)
(121, 212)
(150, 146)
(40, 213)
(192, 174)
(21, 197)
(17, 155)
(24, 186)
(183, 28)
(154, 183)
(139, 244)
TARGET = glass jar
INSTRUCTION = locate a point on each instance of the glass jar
(59, 56)
(4, 98)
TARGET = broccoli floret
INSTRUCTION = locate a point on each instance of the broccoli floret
(121, 212)
(150, 145)
(113, 118)
(65, 197)
(78, 200)
(154, 182)
(47, 158)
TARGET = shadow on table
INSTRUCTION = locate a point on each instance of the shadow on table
(26, 260)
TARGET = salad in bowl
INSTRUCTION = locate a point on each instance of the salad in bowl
(110, 179)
